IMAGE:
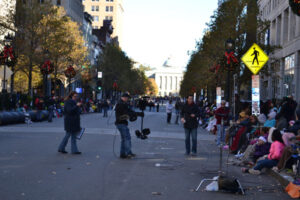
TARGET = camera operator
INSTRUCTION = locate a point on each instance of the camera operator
(123, 114)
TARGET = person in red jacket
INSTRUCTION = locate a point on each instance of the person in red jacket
(222, 116)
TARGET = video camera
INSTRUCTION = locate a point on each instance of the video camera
(143, 133)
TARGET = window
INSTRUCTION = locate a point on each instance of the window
(96, 18)
(97, 8)
(93, 8)
(109, 9)
(58, 2)
(108, 18)
(109, 0)
(289, 73)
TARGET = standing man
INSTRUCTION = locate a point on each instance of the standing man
(105, 107)
(123, 114)
(222, 116)
(72, 123)
(169, 109)
(189, 117)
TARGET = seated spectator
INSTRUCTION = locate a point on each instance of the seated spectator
(271, 122)
(272, 158)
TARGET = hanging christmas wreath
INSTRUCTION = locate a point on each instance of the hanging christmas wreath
(47, 67)
(70, 72)
(295, 5)
(7, 56)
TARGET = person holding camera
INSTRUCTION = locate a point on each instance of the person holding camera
(72, 123)
(123, 114)
(189, 117)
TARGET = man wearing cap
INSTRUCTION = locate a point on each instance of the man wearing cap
(123, 114)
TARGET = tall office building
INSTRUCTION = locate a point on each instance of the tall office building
(74, 9)
(106, 10)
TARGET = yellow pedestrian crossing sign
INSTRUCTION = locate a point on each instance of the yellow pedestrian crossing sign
(255, 59)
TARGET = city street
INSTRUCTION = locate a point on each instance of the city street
(32, 169)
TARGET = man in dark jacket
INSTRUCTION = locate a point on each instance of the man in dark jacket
(72, 123)
(189, 116)
(123, 114)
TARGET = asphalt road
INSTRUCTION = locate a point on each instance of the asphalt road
(31, 168)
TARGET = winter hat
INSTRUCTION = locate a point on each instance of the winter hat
(262, 138)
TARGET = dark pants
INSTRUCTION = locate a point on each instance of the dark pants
(50, 110)
(188, 134)
(65, 140)
(265, 164)
(169, 116)
(125, 140)
(105, 112)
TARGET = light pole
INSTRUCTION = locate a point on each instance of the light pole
(8, 58)
(229, 54)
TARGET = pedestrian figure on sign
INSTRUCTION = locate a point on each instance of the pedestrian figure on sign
(72, 123)
(255, 54)
(189, 117)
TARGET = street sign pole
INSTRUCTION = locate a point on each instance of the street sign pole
(255, 58)
(255, 95)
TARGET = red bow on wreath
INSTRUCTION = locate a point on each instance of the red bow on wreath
(8, 51)
(230, 56)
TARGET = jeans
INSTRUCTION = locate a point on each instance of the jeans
(265, 164)
(125, 140)
(220, 134)
(64, 142)
(105, 112)
(188, 134)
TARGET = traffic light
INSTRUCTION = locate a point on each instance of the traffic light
(99, 85)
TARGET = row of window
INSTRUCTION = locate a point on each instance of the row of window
(170, 83)
(107, 8)
(96, 18)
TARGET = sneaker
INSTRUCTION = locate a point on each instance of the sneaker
(255, 172)
(194, 154)
(132, 155)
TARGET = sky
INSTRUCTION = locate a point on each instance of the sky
(154, 30)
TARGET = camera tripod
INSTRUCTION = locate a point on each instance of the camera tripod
(220, 171)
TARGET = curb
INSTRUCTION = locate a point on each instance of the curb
(284, 179)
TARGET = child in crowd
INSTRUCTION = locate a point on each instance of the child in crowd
(272, 158)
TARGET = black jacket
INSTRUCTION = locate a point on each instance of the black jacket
(123, 112)
(187, 110)
(72, 116)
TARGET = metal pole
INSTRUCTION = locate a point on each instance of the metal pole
(69, 86)
(4, 80)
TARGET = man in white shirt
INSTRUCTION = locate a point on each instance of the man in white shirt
(169, 108)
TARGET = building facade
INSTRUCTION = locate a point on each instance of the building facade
(284, 63)
(168, 79)
(74, 9)
(106, 10)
